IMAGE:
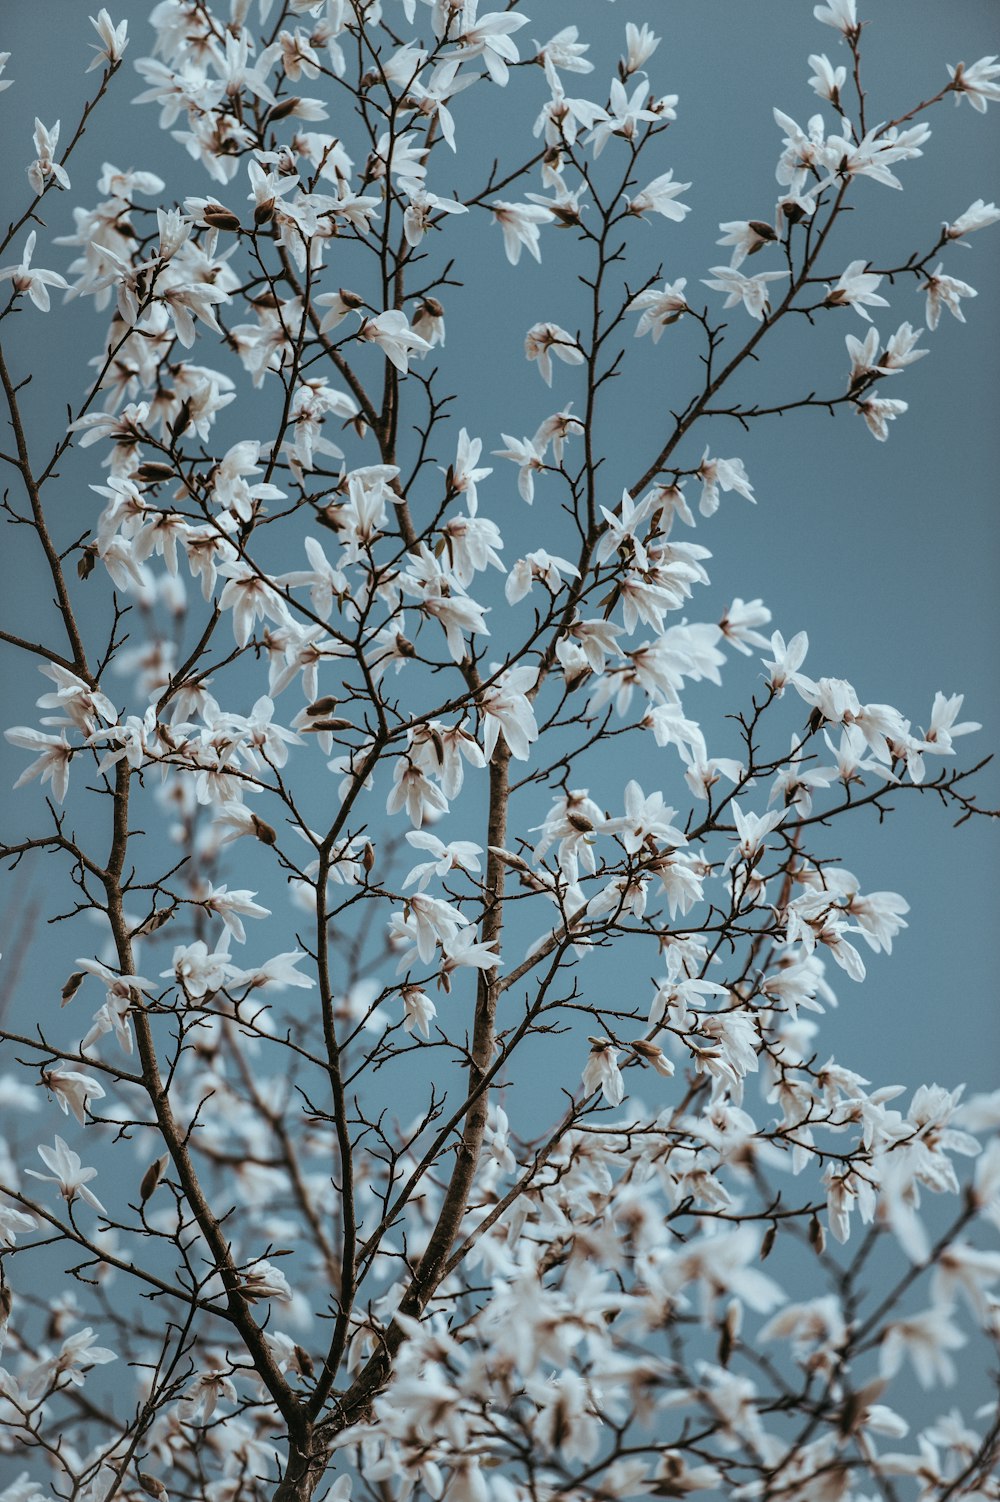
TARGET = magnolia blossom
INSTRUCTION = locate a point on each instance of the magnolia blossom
(394, 336)
(601, 1071)
(520, 224)
(73, 1091)
(856, 289)
(751, 291)
(659, 309)
(68, 1172)
(945, 292)
(33, 280)
(543, 340)
(506, 708)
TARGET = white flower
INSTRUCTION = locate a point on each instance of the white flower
(414, 791)
(945, 292)
(725, 474)
(855, 289)
(530, 459)
(250, 597)
(751, 291)
(925, 1340)
(977, 216)
(52, 763)
(68, 1172)
(464, 475)
(262, 1280)
(418, 1010)
(420, 211)
(827, 81)
(659, 308)
(73, 1091)
(12, 1224)
(394, 337)
(427, 922)
(33, 281)
(198, 970)
(459, 855)
(601, 1071)
(878, 412)
(539, 566)
(978, 83)
(76, 1355)
(840, 14)
(543, 340)
(640, 44)
(520, 223)
(114, 39)
(45, 168)
(504, 707)
(229, 906)
(658, 197)
(276, 974)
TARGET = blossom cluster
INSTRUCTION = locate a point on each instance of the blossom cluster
(378, 1264)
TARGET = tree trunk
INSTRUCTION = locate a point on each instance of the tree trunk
(307, 1464)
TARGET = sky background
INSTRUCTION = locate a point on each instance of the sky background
(886, 554)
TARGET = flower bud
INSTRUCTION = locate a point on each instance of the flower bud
(153, 473)
(817, 1236)
(283, 109)
(71, 987)
(264, 832)
(150, 1181)
(218, 217)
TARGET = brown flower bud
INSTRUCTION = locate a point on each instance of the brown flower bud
(264, 832)
(368, 856)
(305, 1361)
(156, 920)
(283, 109)
(85, 563)
(150, 1180)
(219, 218)
(71, 987)
(817, 1236)
(154, 473)
(152, 1486)
(322, 706)
(767, 1244)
